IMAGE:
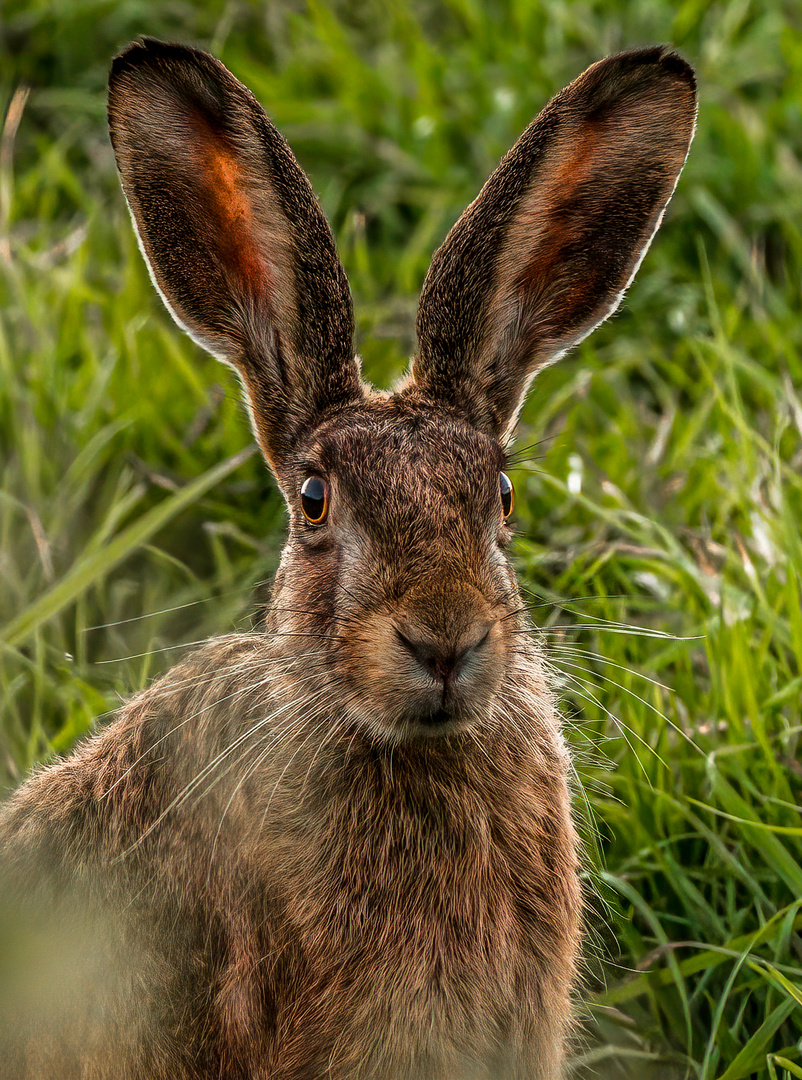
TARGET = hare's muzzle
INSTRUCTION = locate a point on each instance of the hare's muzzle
(434, 664)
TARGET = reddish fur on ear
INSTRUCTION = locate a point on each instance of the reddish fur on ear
(231, 213)
(551, 242)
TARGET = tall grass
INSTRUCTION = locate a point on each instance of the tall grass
(662, 492)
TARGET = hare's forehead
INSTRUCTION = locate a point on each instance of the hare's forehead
(420, 450)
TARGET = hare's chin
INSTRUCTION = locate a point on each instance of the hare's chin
(439, 722)
(433, 720)
(432, 725)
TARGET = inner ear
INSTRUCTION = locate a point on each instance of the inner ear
(196, 170)
(582, 229)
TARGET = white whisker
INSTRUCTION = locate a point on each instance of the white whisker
(246, 665)
(637, 697)
(588, 696)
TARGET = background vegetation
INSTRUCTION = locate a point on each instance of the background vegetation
(659, 510)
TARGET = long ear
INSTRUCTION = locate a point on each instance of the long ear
(553, 239)
(233, 236)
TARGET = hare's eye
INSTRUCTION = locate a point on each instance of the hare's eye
(507, 495)
(315, 499)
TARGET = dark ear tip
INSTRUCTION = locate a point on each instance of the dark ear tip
(149, 52)
(136, 53)
(143, 58)
(660, 56)
(676, 65)
(129, 57)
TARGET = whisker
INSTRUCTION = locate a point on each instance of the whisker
(348, 592)
(582, 690)
(187, 790)
(627, 690)
(519, 450)
(169, 610)
(284, 770)
(202, 641)
(303, 706)
(563, 646)
(562, 602)
(508, 718)
(321, 614)
(239, 742)
(246, 734)
(598, 619)
(261, 754)
(511, 614)
(662, 635)
(153, 652)
(246, 665)
(167, 734)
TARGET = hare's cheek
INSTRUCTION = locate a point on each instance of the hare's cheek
(503, 581)
(371, 650)
(373, 686)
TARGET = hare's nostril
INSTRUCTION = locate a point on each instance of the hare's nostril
(426, 652)
(441, 660)
(436, 659)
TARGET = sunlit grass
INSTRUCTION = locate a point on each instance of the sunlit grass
(664, 491)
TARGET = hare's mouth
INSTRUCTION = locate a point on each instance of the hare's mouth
(428, 720)
(438, 718)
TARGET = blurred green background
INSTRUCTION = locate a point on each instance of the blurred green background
(659, 501)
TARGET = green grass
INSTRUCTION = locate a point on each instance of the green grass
(666, 492)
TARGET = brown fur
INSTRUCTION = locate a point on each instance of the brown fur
(341, 847)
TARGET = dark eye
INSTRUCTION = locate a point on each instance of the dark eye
(507, 495)
(315, 499)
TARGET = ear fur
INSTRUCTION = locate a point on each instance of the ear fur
(234, 238)
(550, 244)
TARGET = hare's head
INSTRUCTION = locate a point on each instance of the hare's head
(395, 569)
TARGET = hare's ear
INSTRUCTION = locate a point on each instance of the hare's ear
(234, 238)
(548, 247)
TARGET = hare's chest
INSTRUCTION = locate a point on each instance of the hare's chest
(425, 971)
(419, 985)
(435, 939)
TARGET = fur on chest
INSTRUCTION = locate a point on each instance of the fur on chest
(424, 907)
(404, 921)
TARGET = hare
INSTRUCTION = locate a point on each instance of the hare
(342, 846)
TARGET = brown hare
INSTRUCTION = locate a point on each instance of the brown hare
(341, 846)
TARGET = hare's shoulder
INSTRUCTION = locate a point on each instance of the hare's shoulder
(104, 866)
(109, 791)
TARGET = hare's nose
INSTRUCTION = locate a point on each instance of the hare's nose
(440, 659)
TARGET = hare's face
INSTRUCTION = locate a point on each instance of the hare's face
(395, 574)
(406, 567)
